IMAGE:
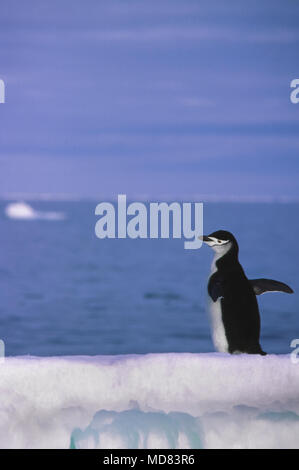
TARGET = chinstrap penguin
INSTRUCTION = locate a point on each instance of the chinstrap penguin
(235, 318)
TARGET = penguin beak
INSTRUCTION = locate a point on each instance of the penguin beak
(205, 238)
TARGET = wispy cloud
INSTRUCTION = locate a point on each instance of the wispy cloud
(194, 102)
(158, 34)
(200, 33)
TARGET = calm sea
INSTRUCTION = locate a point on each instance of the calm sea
(65, 292)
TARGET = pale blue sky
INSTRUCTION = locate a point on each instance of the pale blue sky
(149, 98)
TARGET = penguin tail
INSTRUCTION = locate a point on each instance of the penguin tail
(261, 352)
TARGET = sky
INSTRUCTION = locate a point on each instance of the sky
(153, 99)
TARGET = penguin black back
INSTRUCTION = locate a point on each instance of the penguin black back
(234, 308)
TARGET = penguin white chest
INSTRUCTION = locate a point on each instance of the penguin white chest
(217, 327)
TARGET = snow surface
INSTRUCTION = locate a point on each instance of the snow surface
(156, 400)
(22, 210)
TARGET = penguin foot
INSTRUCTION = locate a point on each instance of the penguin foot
(256, 350)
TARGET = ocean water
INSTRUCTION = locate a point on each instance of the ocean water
(65, 292)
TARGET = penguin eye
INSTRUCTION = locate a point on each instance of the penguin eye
(219, 241)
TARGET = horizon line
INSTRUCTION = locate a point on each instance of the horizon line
(68, 197)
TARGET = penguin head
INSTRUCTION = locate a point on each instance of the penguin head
(221, 241)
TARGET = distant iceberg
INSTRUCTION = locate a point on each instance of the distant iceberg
(22, 210)
(154, 400)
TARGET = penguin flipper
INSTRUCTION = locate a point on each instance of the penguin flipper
(215, 288)
(260, 286)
